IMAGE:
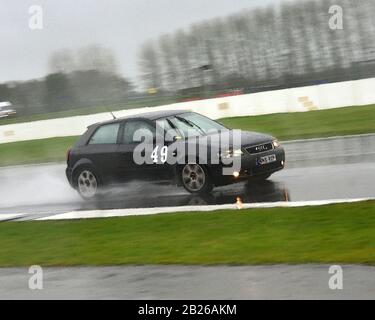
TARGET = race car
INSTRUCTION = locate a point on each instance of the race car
(117, 151)
(6, 110)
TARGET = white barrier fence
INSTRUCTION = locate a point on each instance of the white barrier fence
(327, 96)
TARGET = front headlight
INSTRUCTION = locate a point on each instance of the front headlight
(237, 153)
(275, 144)
(231, 153)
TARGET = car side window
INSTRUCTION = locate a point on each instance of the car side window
(106, 134)
(142, 128)
(169, 131)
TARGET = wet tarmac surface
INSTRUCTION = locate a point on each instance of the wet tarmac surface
(190, 282)
(43, 189)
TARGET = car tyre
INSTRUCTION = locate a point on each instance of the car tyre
(196, 179)
(87, 183)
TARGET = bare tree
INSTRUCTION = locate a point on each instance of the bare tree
(150, 66)
(271, 45)
(169, 63)
(62, 61)
(96, 57)
(92, 57)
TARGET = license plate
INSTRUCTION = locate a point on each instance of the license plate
(266, 159)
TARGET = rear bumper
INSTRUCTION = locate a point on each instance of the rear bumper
(69, 176)
(249, 167)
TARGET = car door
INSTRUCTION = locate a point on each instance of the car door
(132, 148)
(101, 149)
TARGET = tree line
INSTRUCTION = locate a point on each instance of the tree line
(260, 49)
(265, 48)
(83, 78)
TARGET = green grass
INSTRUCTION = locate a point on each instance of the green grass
(343, 121)
(343, 233)
(300, 125)
(35, 151)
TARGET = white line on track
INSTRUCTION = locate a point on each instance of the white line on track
(152, 211)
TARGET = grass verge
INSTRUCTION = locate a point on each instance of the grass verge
(313, 124)
(286, 126)
(35, 151)
(342, 233)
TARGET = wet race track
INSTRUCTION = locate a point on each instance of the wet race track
(43, 190)
(191, 282)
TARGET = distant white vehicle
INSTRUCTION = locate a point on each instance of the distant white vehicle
(6, 110)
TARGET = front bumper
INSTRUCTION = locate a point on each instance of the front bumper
(250, 167)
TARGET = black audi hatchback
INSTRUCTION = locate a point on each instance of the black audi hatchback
(110, 153)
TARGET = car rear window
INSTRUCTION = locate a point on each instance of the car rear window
(106, 134)
(143, 128)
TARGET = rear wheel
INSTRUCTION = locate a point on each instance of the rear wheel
(87, 183)
(195, 178)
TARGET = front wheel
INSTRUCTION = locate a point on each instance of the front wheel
(87, 184)
(195, 178)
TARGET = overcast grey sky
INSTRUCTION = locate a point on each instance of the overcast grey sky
(121, 25)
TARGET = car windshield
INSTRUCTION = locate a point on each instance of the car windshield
(194, 124)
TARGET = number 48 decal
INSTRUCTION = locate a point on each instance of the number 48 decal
(163, 154)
